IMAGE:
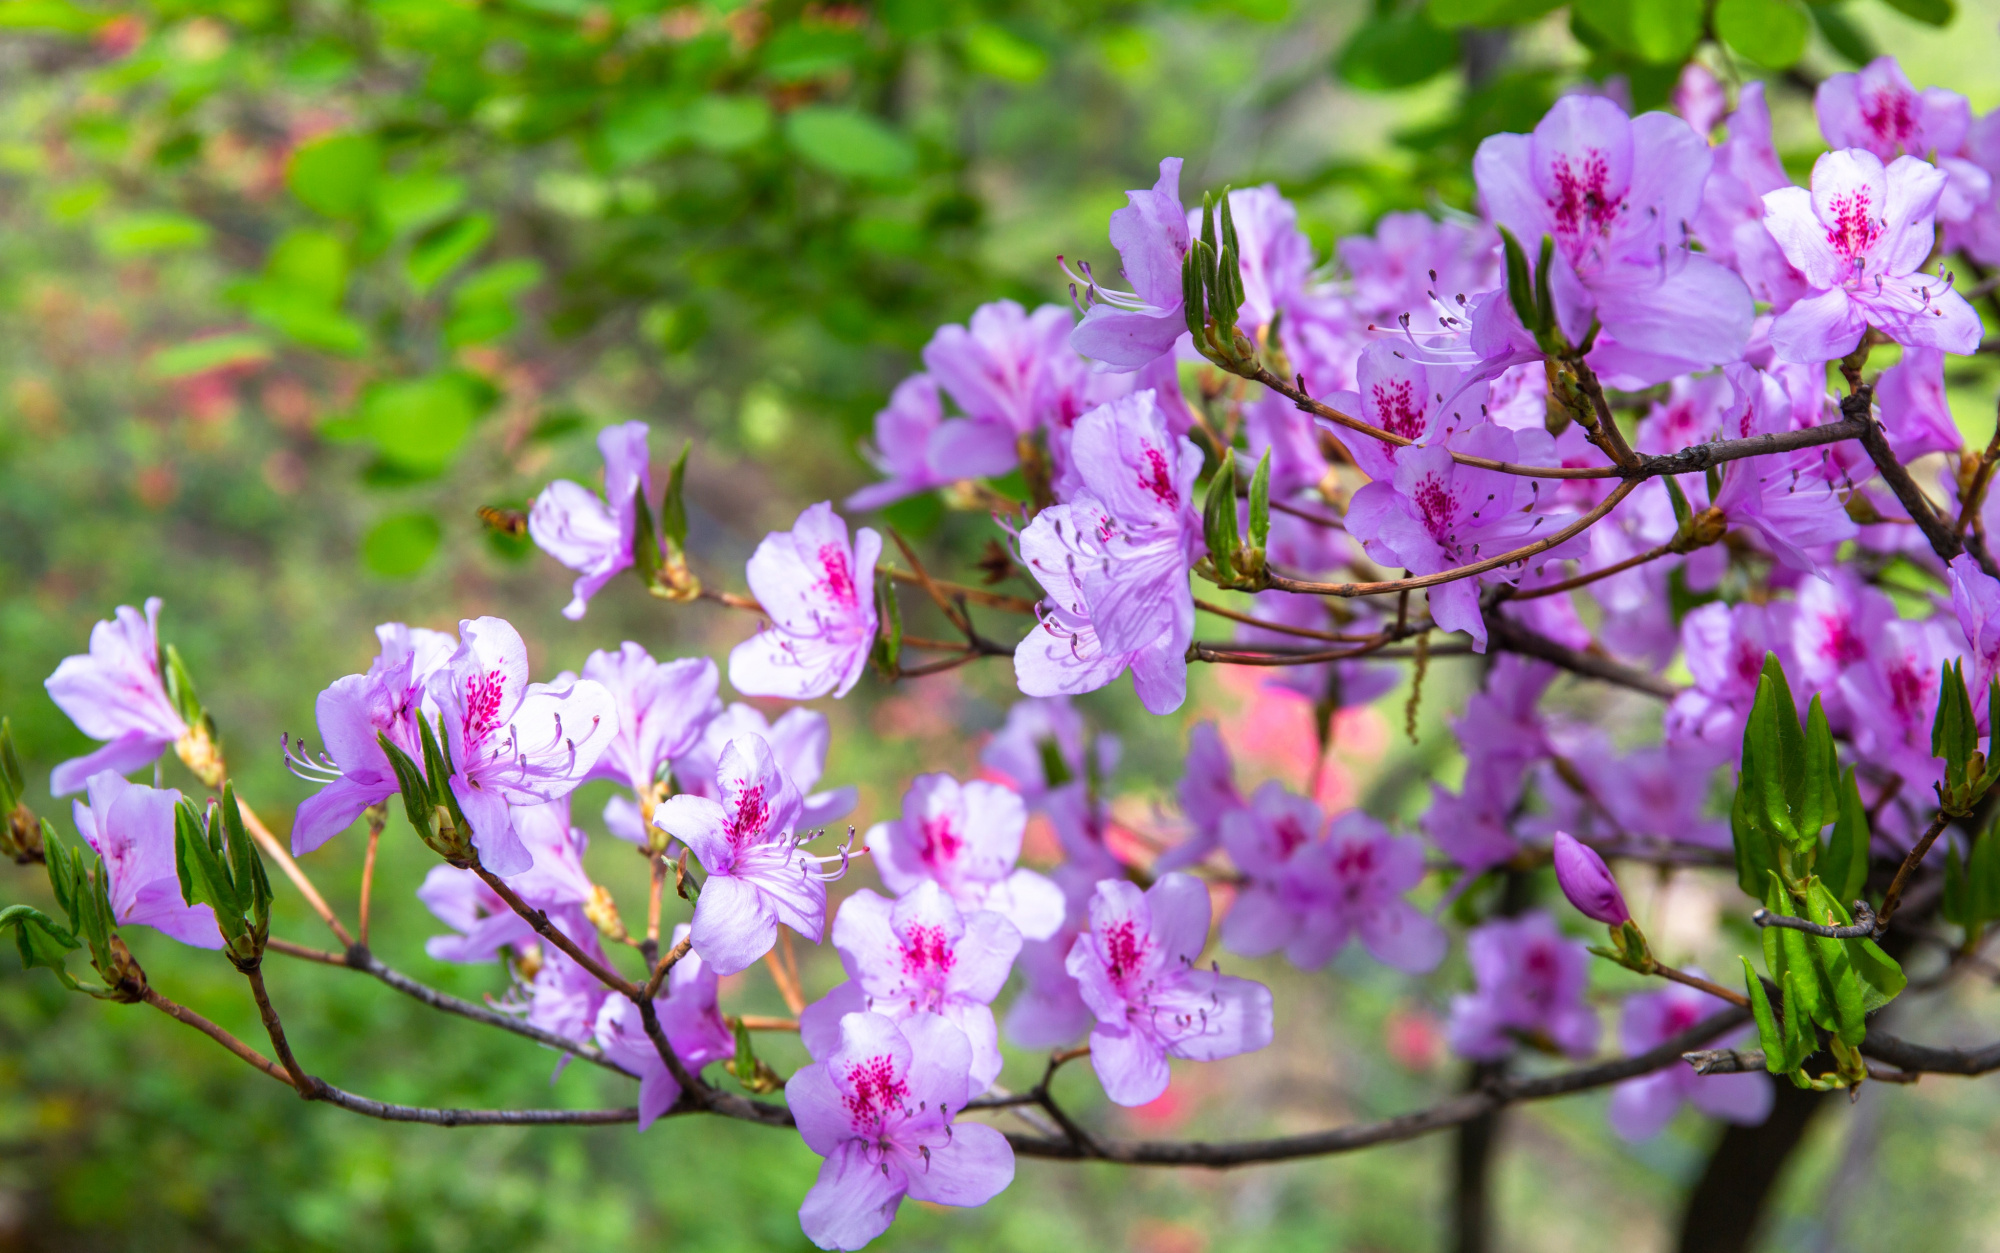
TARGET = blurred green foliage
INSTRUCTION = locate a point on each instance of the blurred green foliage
(288, 289)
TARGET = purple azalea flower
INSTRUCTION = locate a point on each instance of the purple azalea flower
(1413, 263)
(920, 449)
(1264, 839)
(594, 536)
(798, 743)
(918, 955)
(1530, 982)
(820, 595)
(1699, 97)
(1435, 515)
(1618, 195)
(688, 1017)
(1136, 967)
(965, 837)
(1660, 791)
(1354, 881)
(1427, 404)
(1975, 600)
(880, 1110)
(1114, 562)
(1725, 646)
(561, 996)
(352, 712)
(1915, 414)
(1049, 1011)
(1730, 224)
(1587, 882)
(1501, 734)
(1126, 330)
(757, 875)
(115, 693)
(1859, 237)
(1786, 499)
(662, 709)
(1208, 795)
(1044, 737)
(1836, 624)
(1007, 369)
(132, 828)
(1877, 109)
(1641, 1108)
(1978, 233)
(513, 742)
(1275, 425)
(1082, 821)
(1892, 696)
(555, 882)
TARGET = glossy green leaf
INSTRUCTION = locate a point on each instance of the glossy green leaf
(210, 352)
(142, 234)
(1660, 31)
(1397, 49)
(401, 545)
(997, 52)
(419, 424)
(1770, 1035)
(850, 143)
(729, 123)
(1842, 35)
(1770, 32)
(414, 202)
(440, 251)
(1260, 503)
(41, 940)
(1930, 12)
(1844, 865)
(310, 264)
(336, 174)
(1756, 849)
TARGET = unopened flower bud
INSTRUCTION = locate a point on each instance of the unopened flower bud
(602, 911)
(1587, 882)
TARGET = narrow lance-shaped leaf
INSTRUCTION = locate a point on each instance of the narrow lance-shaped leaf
(1756, 854)
(1260, 503)
(1844, 865)
(417, 800)
(645, 540)
(673, 506)
(1520, 288)
(1846, 1000)
(1770, 1036)
(1818, 802)
(1191, 295)
(1219, 517)
(1545, 305)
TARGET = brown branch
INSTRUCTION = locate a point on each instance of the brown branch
(1578, 527)
(278, 853)
(1279, 627)
(306, 1086)
(378, 817)
(1509, 636)
(217, 1034)
(1893, 898)
(1982, 478)
(554, 934)
(1591, 576)
(1600, 423)
(666, 966)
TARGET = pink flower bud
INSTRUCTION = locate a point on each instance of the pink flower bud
(1587, 882)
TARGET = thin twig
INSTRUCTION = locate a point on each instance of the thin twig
(1893, 898)
(217, 1034)
(306, 1086)
(1578, 527)
(1865, 927)
(666, 966)
(378, 817)
(1591, 576)
(278, 853)
(554, 935)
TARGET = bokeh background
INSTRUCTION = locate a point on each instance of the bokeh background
(287, 291)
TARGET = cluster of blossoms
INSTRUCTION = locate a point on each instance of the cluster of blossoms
(1682, 272)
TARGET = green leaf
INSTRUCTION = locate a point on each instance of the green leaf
(142, 234)
(1845, 992)
(1818, 799)
(210, 352)
(1219, 517)
(1844, 865)
(419, 424)
(1260, 503)
(643, 127)
(1396, 49)
(413, 202)
(673, 507)
(797, 53)
(401, 545)
(850, 143)
(13, 781)
(1774, 754)
(1756, 849)
(1453, 13)
(309, 263)
(1660, 31)
(410, 781)
(998, 52)
(1801, 1041)
(729, 123)
(1842, 35)
(1881, 975)
(440, 251)
(1520, 289)
(1930, 12)
(41, 940)
(1769, 32)
(1770, 1036)
(336, 174)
